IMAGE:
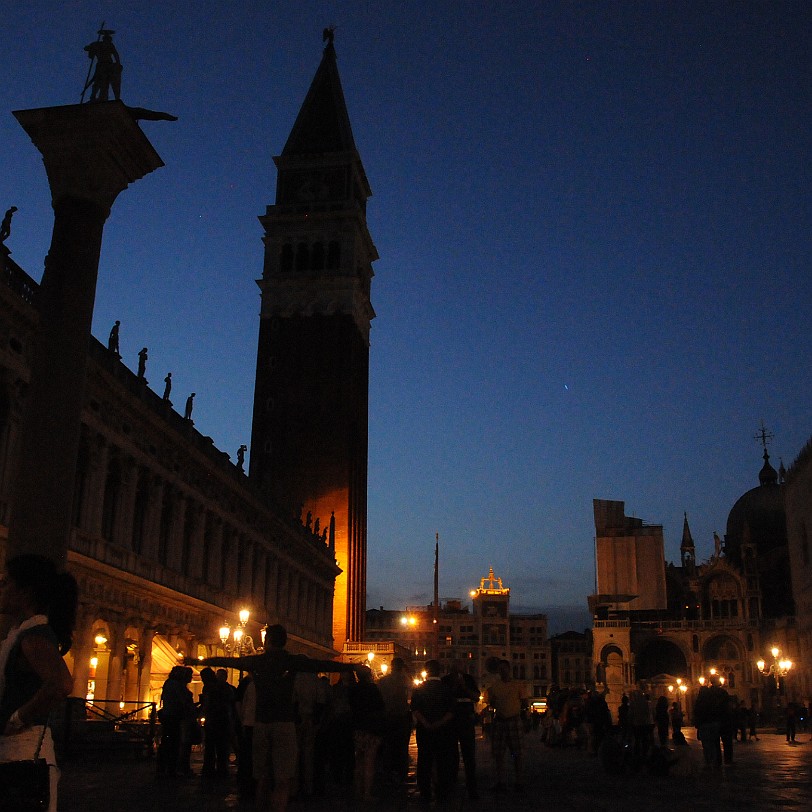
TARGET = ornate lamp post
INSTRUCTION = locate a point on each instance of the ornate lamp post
(242, 642)
(679, 690)
(712, 672)
(777, 669)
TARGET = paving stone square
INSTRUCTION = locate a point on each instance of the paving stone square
(766, 774)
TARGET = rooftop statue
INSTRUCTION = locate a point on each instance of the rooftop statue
(143, 355)
(5, 226)
(107, 74)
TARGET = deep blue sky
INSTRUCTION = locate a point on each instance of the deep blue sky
(594, 226)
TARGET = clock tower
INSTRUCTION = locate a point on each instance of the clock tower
(310, 422)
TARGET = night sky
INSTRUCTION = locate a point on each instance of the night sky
(594, 227)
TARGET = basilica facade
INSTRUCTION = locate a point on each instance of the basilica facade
(672, 625)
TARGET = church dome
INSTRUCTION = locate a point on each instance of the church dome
(759, 518)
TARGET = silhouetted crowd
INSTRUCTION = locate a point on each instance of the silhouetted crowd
(295, 730)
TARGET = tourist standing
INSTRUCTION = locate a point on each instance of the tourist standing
(506, 697)
(177, 705)
(217, 711)
(275, 750)
(368, 722)
(433, 709)
(642, 724)
(710, 710)
(661, 719)
(396, 689)
(677, 720)
(33, 676)
(466, 694)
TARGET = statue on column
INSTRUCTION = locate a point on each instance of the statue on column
(5, 226)
(108, 68)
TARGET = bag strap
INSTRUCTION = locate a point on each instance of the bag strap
(41, 739)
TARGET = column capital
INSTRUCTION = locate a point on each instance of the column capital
(91, 152)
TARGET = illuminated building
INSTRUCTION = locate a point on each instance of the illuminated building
(656, 622)
(169, 537)
(486, 630)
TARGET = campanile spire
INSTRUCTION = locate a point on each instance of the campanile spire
(309, 433)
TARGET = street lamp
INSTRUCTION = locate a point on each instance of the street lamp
(243, 643)
(777, 669)
(712, 672)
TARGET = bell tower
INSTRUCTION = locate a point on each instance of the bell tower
(310, 421)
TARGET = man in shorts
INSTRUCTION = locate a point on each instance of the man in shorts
(506, 697)
(275, 751)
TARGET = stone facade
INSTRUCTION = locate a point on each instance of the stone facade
(798, 501)
(169, 539)
(713, 616)
(472, 635)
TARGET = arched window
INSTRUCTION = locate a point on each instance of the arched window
(165, 528)
(333, 255)
(302, 257)
(140, 513)
(224, 556)
(317, 257)
(112, 494)
(80, 485)
(286, 258)
(189, 525)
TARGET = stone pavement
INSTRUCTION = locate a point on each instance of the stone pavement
(766, 774)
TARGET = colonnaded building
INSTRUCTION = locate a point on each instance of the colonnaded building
(670, 625)
(170, 538)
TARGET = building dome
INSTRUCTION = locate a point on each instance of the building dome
(758, 518)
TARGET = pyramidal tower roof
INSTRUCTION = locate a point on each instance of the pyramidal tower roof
(323, 124)
(687, 539)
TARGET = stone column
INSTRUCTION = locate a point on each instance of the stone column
(82, 650)
(115, 665)
(145, 664)
(91, 153)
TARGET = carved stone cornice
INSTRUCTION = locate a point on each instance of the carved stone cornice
(288, 296)
(91, 151)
